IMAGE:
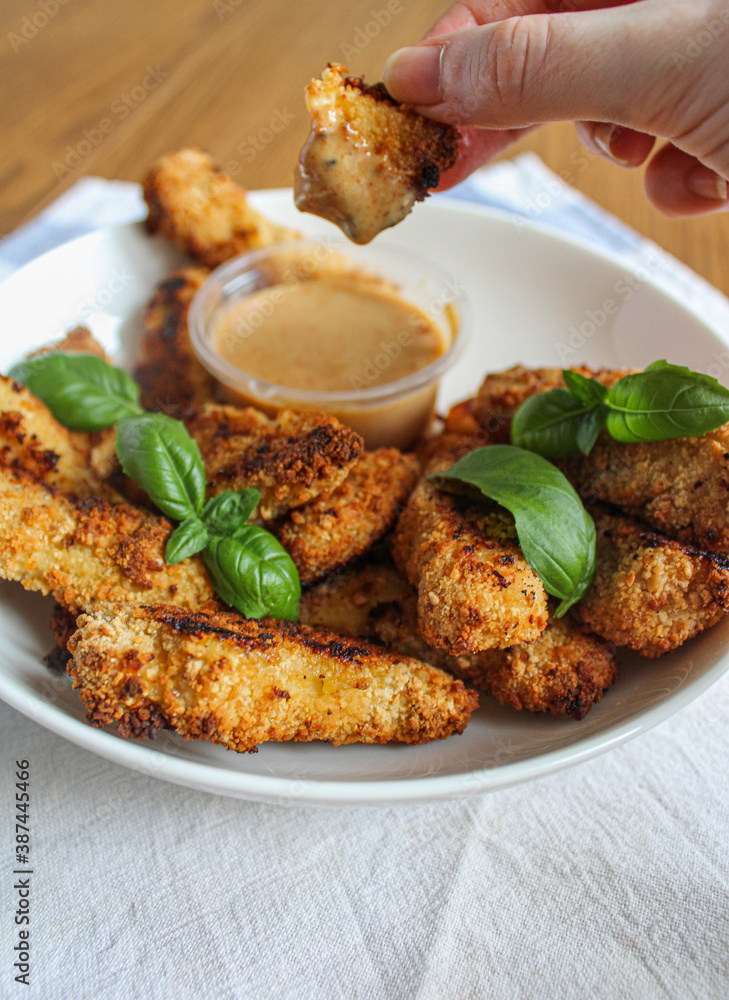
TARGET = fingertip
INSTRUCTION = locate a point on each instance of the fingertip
(679, 186)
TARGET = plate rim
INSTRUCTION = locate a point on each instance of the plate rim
(408, 790)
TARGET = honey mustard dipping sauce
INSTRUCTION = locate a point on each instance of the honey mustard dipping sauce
(328, 335)
(307, 330)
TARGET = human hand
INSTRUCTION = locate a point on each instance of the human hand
(627, 71)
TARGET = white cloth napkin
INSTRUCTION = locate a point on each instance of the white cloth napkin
(608, 880)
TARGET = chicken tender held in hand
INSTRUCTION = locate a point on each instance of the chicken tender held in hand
(327, 532)
(240, 683)
(291, 458)
(368, 158)
(475, 588)
(197, 206)
(650, 593)
(167, 369)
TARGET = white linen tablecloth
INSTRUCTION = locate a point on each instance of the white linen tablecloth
(609, 880)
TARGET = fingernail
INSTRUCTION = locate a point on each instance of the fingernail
(413, 75)
(604, 134)
(706, 183)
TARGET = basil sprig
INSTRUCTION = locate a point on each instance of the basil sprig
(661, 403)
(555, 532)
(248, 566)
(251, 567)
(82, 391)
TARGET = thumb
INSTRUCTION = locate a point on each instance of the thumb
(603, 65)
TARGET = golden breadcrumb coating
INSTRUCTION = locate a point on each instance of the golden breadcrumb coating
(85, 551)
(680, 488)
(34, 444)
(197, 206)
(475, 588)
(167, 368)
(651, 593)
(564, 671)
(79, 340)
(240, 683)
(291, 458)
(327, 532)
(344, 601)
(368, 158)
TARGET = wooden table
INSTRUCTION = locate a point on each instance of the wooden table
(104, 88)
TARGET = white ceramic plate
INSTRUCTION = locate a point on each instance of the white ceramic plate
(528, 288)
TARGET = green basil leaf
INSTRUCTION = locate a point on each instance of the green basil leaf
(588, 390)
(157, 452)
(551, 424)
(186, 540)
(663, 402)
(254, 573)
(82, 392)
(230, 510)
(556, 534)
(589, 428)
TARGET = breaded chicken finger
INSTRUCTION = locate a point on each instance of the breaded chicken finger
(344, 602)
(650, 593)
(100, 445)
(240, 683)
(488, 414)
(197, 206)
(680, 487)
(167, 369)
(33, 443)
(475, 588)
(291, 458)
(85, 551)
(327, 532)
(565, 671)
